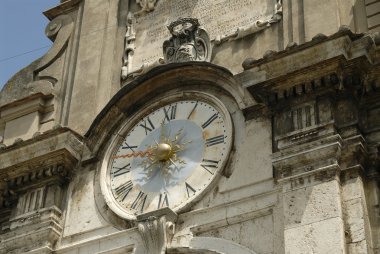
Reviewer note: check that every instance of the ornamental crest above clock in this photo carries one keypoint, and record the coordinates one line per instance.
(167, 155)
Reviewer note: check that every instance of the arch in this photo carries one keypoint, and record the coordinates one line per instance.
(157, 82)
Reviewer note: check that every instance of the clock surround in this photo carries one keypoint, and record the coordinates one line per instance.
(168, 154)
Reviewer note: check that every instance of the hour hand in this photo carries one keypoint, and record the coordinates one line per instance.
(141, 154)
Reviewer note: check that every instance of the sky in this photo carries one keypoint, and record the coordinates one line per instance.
(22, 34)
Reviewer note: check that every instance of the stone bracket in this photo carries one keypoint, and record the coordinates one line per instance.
(157, 229)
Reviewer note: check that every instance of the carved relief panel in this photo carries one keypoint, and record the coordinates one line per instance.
(147, 28)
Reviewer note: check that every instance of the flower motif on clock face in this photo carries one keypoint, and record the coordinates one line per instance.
(169, 156)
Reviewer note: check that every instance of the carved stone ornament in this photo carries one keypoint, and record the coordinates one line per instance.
(189, 42)
(146, 5)
(157, 229)
(130, 38)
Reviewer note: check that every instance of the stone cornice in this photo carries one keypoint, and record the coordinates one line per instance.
(63, 8)
(25, 100)
(49, 156)
(333, 63)
(36, 102)
(319, 39)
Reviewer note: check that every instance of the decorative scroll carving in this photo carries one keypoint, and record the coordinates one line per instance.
(189, 42)
(257, 26)
(130, 38)
(157, 229)
(58, 30)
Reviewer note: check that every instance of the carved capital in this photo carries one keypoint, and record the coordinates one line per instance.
(189, 42)
(157, 229)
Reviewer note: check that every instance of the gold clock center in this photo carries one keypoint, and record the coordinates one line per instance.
(163, 152)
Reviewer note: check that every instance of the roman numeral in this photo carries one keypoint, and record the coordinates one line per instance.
(173, 112)
(123, 190)
(132, 148)
(163, 201)
(215, 140)
(192, 111)
(210, 120)
(188, 189)
(122, 170)
(139, 202)
(209, 165)
(147, 128)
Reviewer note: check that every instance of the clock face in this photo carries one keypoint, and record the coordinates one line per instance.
(167, 156)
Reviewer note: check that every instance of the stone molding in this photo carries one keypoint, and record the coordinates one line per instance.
(161, 80)
(63, 8)
(271, 74)
(49, 157)
(37, 102)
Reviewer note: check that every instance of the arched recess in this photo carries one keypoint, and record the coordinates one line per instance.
(211, 245)
(158, 81)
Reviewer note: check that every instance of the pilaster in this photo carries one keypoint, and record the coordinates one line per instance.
(323, 148)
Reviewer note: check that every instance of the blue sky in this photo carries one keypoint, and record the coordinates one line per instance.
(22, 29)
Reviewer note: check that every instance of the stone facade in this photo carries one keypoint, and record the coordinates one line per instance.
(300, 80)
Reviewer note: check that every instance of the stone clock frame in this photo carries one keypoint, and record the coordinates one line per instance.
(170, 96)
(177, 79)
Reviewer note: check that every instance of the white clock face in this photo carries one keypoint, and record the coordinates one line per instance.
(167, 157)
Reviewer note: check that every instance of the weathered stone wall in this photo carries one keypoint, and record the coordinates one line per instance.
(303, 91)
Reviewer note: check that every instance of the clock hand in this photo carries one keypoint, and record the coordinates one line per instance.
(175, 165)
(134, 154)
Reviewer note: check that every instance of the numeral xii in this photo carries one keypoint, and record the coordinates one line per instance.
(171, 112)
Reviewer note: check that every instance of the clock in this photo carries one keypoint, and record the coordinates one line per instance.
(167, 155)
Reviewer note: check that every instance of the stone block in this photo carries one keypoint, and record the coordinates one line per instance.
(82, 212)
(321, 237)
(312, 204)
(256, 234)
(320, 17)
(352, 189)
(355, 224)
(358, 248)
(367, 2)
(258, 135)
(23, 127)
(374, 20)
(373, 8)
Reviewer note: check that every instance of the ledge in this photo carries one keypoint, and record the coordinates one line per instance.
(63, 8)
(57, 147)
(325, 63)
